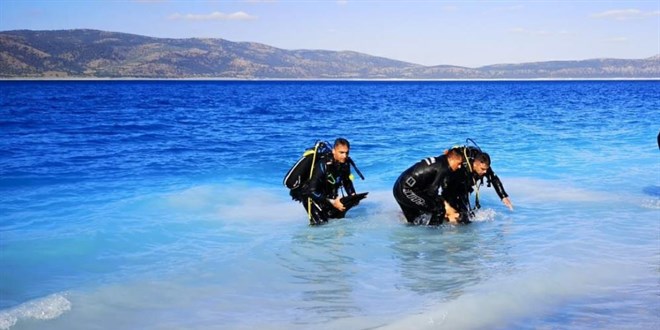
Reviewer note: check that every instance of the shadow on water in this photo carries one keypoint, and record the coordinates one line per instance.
(340, 273)
(321, 266)
(440, 263)
(652, 191)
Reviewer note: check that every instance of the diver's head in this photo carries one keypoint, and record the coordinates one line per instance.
(340, 150)
(481, 164)
(455, 159)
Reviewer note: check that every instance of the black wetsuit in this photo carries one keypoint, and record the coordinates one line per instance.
(416, 189)
(328, 177)
(461, 183)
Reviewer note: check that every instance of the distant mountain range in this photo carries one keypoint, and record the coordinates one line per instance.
(100, 54)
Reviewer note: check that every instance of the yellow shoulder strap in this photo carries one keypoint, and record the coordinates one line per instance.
(467, 159)
(309, 199)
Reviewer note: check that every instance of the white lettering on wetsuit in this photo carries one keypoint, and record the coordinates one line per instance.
(413, 197)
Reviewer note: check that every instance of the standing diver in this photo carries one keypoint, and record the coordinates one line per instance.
(471, 176)
(320, 194)
(416, 189)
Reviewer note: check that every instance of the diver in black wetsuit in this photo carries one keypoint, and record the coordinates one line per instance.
(461, 183)
(320, 195)
(416, 189)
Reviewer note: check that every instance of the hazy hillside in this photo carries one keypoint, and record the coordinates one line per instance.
(93, 53)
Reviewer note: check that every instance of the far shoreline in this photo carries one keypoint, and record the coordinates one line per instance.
(321, 79)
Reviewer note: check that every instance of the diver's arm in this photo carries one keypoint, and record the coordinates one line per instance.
(347, 182)
(343, 174)
(435, 201)
(440, 170)
(313, 189)
(499, 188)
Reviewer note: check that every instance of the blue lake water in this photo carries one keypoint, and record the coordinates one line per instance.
(160, 205)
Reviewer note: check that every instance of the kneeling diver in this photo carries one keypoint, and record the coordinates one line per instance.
(416, 189)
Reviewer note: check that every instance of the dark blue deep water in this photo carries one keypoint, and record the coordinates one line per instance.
(160, 205)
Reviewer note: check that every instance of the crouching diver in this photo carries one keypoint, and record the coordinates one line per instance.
(329, 173)
(468, 179)
(416, 189)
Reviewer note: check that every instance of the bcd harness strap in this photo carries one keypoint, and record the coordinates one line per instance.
(474, 182)
(311, 172)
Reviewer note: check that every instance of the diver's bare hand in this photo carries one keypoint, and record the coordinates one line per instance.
(338, 204)
(507, 202)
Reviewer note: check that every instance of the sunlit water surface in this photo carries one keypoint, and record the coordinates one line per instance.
(159, 205)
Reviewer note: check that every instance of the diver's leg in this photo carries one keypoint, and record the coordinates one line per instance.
(317, 214)
(410, 213)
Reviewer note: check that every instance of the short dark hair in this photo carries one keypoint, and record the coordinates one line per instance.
(342, 142)
(483, 157)
(455, 153)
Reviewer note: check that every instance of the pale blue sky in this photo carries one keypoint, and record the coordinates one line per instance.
(465, 33)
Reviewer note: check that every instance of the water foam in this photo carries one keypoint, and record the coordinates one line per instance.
(483, 215)
(499, 302)
(545, 191)
(45, 308)
(380, 204)
(653, 204)
(235, 201)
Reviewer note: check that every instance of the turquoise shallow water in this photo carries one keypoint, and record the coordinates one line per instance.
(160, 205)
